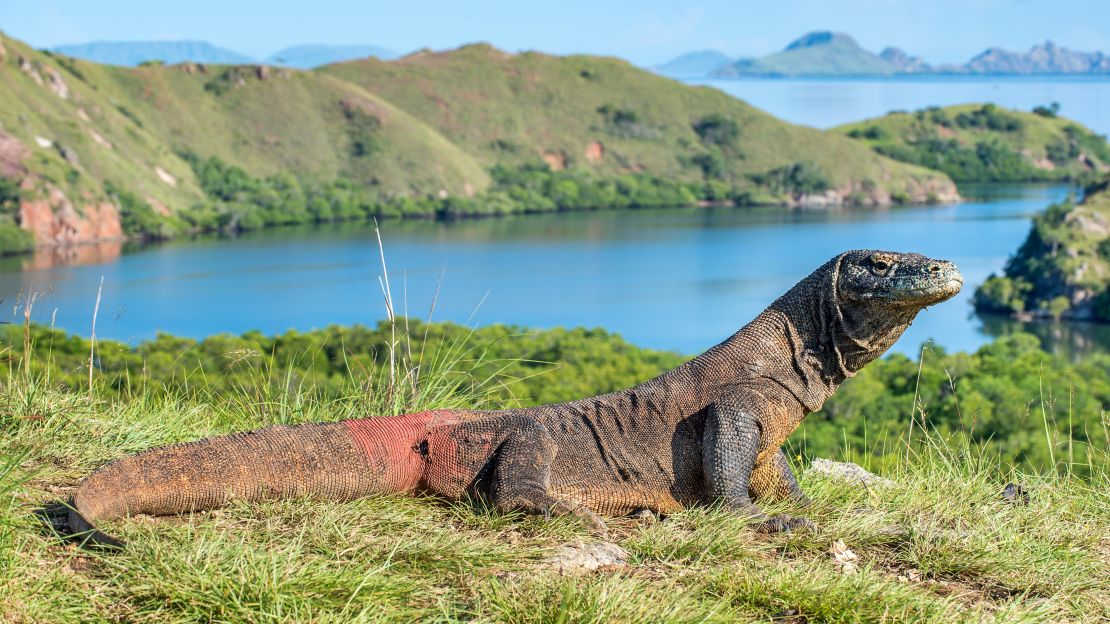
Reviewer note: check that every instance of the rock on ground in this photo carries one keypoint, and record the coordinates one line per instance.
(578, 558)
(847, 472)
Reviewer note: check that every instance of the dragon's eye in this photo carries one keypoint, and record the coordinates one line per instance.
(879, 265)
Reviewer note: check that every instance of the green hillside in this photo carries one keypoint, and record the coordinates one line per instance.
(269, 120)
(982, 142)
(84, 142)
(1063, 268)
(62, 138)
(263, 119)
(92, 152)
(604, 115)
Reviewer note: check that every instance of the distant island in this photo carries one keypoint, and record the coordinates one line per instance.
(825, 53)
(135, 53)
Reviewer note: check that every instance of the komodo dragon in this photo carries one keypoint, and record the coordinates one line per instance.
(707, 431)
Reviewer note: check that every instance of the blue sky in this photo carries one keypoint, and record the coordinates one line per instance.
(644, 31)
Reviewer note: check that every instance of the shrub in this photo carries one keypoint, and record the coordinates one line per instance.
(1049, 111)
(1000, 294)
(15, 240)
(989, 117)
(717, 129)
(796, 179)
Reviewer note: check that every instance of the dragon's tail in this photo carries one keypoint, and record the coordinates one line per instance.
(330, 461)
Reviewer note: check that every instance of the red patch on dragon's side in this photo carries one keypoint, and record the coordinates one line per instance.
(396, 446)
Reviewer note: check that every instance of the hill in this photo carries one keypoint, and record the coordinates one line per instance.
(1062, 270)
(605, 116)
(694, 64)
(820, 53)
(133, 53)
(92, 151)
(982, 142)
(86, 144)
(309, 56)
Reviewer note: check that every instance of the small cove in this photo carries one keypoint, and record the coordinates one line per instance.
(679, 279)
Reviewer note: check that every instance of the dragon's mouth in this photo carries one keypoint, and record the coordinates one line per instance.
(940, 290)
(935, 290)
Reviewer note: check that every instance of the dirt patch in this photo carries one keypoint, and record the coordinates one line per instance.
(100, 140)
(367, 107)
(556, 160)
(12, 154)
(595, 152)
(158, 206)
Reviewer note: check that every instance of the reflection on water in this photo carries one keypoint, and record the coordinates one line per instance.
(72, 255)
(680, 279)
(1073, 341)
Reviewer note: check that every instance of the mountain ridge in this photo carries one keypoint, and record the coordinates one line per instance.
(133, 53)
(172, 52)
(828, 53)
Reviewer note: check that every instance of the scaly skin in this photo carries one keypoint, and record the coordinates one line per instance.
(707, 431)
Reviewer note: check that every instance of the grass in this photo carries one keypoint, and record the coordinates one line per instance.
(938, 546)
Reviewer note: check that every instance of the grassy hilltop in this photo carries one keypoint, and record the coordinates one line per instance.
(938, 545)
(91, 151)
(605, 115)
(985, 143)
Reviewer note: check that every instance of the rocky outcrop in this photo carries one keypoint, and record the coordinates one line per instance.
(866, 193)
(27, 67)
(56, 83)
(932, 191)
(53, 219)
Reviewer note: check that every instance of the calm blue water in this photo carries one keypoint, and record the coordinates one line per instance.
(679, 279)
(824, 103)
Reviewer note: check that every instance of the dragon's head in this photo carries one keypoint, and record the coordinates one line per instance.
(875, 297)
(887, 282)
